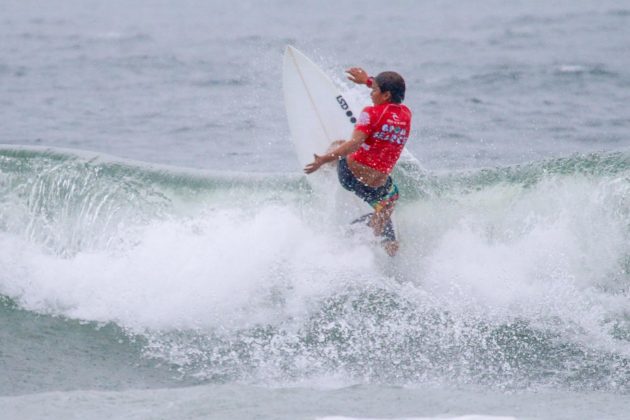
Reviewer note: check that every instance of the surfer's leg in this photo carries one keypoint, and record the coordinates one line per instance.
(381, 223)
(381, 220)
(381, 199)
(383, 202)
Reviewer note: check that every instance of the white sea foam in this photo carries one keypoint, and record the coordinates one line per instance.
(220, 269)
(499, 254)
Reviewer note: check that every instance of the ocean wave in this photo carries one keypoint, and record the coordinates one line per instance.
(511, 276)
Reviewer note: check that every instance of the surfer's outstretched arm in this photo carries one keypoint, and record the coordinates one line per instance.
(344, 149)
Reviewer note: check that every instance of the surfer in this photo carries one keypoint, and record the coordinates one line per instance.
(367, 159)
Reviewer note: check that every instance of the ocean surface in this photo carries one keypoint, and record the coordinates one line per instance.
(163, 257)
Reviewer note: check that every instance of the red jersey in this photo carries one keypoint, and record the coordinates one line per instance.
(387, 126)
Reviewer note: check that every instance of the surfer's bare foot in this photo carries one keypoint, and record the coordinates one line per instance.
(391, 247)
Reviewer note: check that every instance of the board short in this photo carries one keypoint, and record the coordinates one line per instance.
(379, 197)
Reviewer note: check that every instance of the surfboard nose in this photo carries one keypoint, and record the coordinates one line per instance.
(289, 51)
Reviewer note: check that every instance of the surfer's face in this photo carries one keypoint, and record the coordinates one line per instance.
(379, 97)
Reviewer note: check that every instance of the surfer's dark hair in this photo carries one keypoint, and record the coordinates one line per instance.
(392, 82)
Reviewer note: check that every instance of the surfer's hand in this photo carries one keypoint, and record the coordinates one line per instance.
(357, 75)
(315, 164)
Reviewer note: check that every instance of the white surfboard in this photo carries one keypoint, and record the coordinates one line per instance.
(318, 115)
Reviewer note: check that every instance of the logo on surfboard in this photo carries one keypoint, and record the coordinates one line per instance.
(344, 105)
